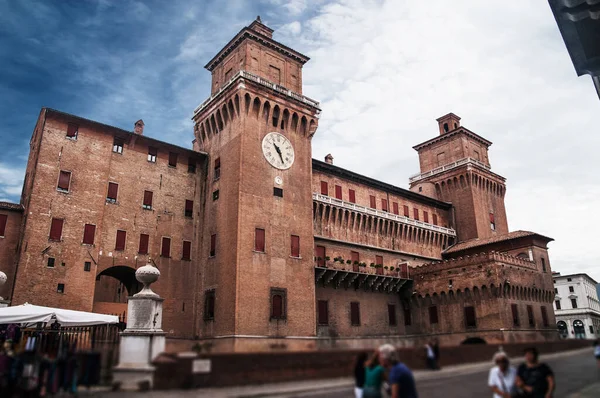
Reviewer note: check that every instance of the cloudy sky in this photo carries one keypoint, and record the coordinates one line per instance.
(383, 71)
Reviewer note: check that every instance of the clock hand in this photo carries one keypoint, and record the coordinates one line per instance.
(278, 152)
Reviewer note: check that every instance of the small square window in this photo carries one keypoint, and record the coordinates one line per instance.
(60, 288)
(62, 264)
(571, 289)
(72, 131)
(278, 192)
(152, 153)
(87, 266)
(50, 262)
(113, 191)
(172, 159)
(569, 279)
(118, 145)
(64, 180)
(216, 195)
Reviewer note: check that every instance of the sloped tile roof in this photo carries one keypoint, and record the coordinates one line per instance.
(471, 243)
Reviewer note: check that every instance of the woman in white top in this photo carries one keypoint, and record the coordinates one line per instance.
(502, 377)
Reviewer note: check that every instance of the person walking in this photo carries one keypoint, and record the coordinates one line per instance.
(502, 378)
(536, 380)
(430, 356)
(400, 378)
(359, 374)
(374, 375)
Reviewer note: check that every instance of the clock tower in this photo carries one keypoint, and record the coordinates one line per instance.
(257, 272)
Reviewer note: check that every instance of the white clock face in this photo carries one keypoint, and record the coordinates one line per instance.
(278, 151)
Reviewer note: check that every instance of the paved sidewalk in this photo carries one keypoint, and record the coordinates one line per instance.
(591, 391)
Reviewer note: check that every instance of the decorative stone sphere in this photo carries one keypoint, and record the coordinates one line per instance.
(147, 275)
(3, 278)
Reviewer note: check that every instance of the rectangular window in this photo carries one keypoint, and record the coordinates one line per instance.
(278, 192)
(406, 213)
(407, 316)
(379, 264)
(213, 245)
(352, 196)
(392, 315)
(425, 216)
(215, 195)
(338, 192)
(320, 255)
(50, 262)
(147, 203)
(557, 303)
(72, 130)
(372, 202)
(433, 315)
(165, 250)
(530, 315)
(544, 317)
(492, 222)
(278, 303)
(89, 231)
(515, 315)
(324, 188)
(113, 191)
(186, 253)
(120, 241)
(191, 165)
(209, 305)
(355, 314)
(189, 208)
(87, 266)
(574, 303)
(555, 291)
(434, 216)
(143, 248)
(416, 214)
(295, 246)
(259, 240)
(60, 288)
(152, 153)
(470, 320)
(323, 312)
(384, 205)
(395, 208)
(355, 258)
(118, 145)
(3, 222)
(569, 279)
(56, 228)
(543, 265)
(172, 159)
(571, 289)
(64, 180)
(217, 169)
(591, 330)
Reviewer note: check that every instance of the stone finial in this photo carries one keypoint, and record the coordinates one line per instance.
(139, 127)
(329, 159)
(3, 280)
(147, 275)
(258, 18)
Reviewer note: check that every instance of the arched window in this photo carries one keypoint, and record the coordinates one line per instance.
(446, 127)
(278, 304)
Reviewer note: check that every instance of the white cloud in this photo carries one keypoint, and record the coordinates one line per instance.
(11, 181)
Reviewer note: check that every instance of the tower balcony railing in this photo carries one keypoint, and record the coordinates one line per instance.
(446, 167)
(263, 82)
(383, 214)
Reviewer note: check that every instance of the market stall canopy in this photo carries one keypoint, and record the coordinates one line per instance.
(28, 313)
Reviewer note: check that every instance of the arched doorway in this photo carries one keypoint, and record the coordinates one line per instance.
(579, 329)
(474, 340)
(113, 286)
(563, 330)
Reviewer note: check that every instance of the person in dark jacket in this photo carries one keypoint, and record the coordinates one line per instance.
(359, 374)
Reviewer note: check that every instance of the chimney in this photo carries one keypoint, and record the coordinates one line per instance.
(329, 159)
(448, 123)
(261, 28)
(139, 127)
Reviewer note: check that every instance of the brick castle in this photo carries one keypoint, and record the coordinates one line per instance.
(259, 245)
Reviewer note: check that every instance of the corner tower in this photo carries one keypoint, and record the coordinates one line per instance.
(455, 168)
(257, 275)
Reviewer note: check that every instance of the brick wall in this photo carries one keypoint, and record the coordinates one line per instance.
(9, 243)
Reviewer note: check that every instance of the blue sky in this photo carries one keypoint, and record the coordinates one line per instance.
(384, 70)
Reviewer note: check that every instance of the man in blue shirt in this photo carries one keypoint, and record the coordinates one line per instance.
(400, 377)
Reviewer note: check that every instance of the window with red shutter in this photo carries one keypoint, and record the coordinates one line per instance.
(165, 250)
(189, 208)
(113, 190)
(3, 222)
(323, 312)
(403, 270)
(172, 159)
(152, 154)
(384, 204)
(64, 180)
(324, 188)
(187, 250)
(355, 258)
(213, 245)
(338, 192)
(72, 130)
(425, 216)
(89, 231)
(352, 196)
(217, 169)
(435, 222)
(147, 204)
(295, 243)
(259, 240)
(143, 248)
(320, 255)
(372, 202)
(544, 317)
(416, 214)
(278, 303)
(56, 228)
(530, 315)
(355, 314)
(470, 320)
(406, 213)
(120, 241)
(395, 208)
(392, 314)
(379, 263)
(433, 315)
(515, 314)
(492, 222)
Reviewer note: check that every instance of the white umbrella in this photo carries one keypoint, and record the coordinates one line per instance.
(28, 313)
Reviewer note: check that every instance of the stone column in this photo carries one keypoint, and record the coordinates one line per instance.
(3, 278)
(143, 339)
